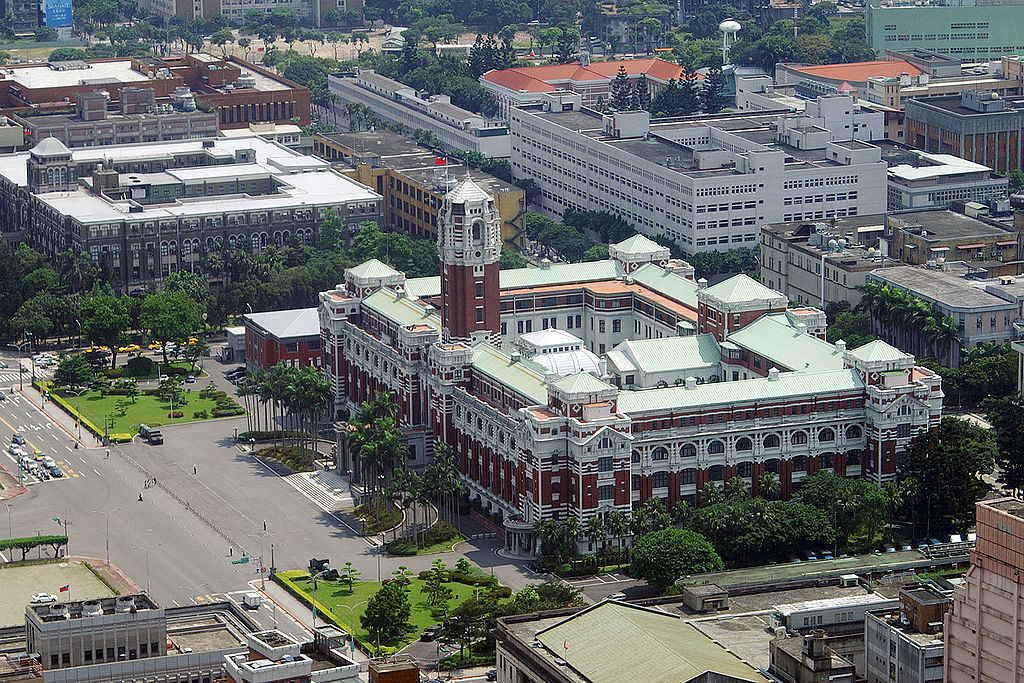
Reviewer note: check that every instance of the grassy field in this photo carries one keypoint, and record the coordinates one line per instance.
(19, 582)
(335, 597)
(152, 410)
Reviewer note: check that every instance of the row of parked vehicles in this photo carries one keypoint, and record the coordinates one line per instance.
(38, 464)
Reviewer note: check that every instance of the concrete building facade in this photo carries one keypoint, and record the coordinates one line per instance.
(984, 634)
(931, 237)
(707, 184)
(906, 646)
(936, 181)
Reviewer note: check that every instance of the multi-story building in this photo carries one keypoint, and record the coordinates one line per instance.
(988, 310)
(523, 85)
(808, 659)
(315, 11)
(821, 263)
(706, 184)
(138, 118)
(237, 91)
(936, 181)
(540, 437)
(921, 238)
(977, 126)
(840, 79)
(972, 31)
(147, 210)
(276, 657)
(131, 638)
(413, 181)
(454, 127)
(905, 645)
(291, 337)
(984, 633)
(613, 641)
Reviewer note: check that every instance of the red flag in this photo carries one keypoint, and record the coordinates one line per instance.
(65, 588)
(440, 161)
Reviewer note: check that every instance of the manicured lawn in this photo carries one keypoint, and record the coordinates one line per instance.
(334, 596)
(151, 410)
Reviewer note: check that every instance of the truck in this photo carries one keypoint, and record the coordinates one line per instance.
(151, 434)
(252, 600)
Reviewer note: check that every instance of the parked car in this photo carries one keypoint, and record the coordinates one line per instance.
(190, 379)
(44, 598)
(56, 472)
(49, 462)
(615, 596)
(491, 675)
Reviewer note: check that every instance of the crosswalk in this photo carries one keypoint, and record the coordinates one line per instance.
(9, 376)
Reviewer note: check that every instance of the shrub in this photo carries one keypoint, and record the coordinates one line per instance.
(267, 435)
(200, 415)
(469, 579)
(140, 366)
(227, 412)
(500, 593)
(176, 413)
(173, 371)
(401, 549)
(424, 575)
(113, 373)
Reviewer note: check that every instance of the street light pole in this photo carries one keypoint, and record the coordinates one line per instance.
(352, 625)
(10, 528)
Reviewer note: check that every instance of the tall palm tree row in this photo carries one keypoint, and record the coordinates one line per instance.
(295, 398)
(911, 323)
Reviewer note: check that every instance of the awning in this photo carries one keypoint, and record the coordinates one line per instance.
(1007, 243)
(970, 246)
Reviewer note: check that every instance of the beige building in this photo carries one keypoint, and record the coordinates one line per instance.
(792, 256)
(921, 238)
(984, 628)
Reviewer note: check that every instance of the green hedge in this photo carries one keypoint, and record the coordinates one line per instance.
(61, 402)
(275, 435)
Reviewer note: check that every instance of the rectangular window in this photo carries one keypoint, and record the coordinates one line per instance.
(605, 464)
(293, 347)
(606, 492)
(616, 325)
(600, 326)
(479, 290)
(479, 314)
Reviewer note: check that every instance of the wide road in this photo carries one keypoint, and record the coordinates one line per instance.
(208, 508)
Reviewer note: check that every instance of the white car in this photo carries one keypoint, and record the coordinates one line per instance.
(49, 462)
(15, 450)
(163, 378)
(44, 598)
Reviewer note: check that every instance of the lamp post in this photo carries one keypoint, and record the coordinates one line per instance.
(78, 410)
(21, 356)
(78, 323)
(379, 549)
(107, 514)
(352, 624)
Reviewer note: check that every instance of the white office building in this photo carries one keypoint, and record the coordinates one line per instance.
(706, 183)
(935, 181)
(456, 128)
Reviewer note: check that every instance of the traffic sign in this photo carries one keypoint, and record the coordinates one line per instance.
(243, 560)
(263, 570)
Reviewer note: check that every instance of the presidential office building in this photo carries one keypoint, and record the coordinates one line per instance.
(577, 389)
(147, 210)
(708, 184)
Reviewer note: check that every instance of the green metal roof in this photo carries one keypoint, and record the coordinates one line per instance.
(373, 268)
(401, 310)
(675, 287)
(613, 642)
(878, 350)
(524, 376)
(558, 273)
(582, 383)
(421, 287)
(638, 244)
(741, 288)
(772, 337)
(668, 353)
(788, 385)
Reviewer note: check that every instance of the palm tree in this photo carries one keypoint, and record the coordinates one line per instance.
(572, 529)
(596, 530)
(617, 524)
(768, 486)
(736, 486)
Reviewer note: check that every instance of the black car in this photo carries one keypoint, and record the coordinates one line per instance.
(18, 439)
(56, 472)
(190, 379)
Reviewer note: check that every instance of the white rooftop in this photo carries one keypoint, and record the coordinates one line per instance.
(42, 76)
(938, 165)
(295, 322)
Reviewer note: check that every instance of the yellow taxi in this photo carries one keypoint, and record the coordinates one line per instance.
(156, 346)
(130, 348)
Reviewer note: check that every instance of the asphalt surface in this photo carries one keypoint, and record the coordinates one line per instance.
(207, 509)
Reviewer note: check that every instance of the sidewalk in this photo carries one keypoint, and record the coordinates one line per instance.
(58, 417)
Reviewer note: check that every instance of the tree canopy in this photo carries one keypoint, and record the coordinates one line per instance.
(662, 557)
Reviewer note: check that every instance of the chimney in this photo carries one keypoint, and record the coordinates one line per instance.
(840, 345)
(516, 357)
(691, 382)
(545, 263)
(773, 375)
(702, 284)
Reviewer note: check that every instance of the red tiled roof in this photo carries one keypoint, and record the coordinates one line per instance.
(545, 78)
(859, 72)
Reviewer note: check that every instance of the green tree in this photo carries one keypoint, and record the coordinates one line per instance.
(511, 259)
(621, 91)
(72, 371)
(387, 613)
(221, 39)
(1006, 415)
(948, 462)
(713, 98)
(192, 284)
(104, 322)
(170, 316)
(63, 54)
(662, 557)
(435, 586)
(349, 575)
(45, 34)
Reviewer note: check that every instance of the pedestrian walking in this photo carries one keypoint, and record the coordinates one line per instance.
(264, 525)
(195, 470)
(231, 551)
(140, 495)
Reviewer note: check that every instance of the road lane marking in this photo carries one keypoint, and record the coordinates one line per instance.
(16, 430)
(97, 472)
(67, 447)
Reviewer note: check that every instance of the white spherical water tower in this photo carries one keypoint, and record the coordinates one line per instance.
(729, 28)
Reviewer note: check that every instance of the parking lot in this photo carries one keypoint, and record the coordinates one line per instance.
(600, 586)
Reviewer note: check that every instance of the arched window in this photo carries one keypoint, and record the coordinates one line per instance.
(210, 244)
(232, 242)
(772, 465)
(745, 469)
(634, 457)
(800, 463)
(853, 459)
(716, 447)
(716, 473)
(799, 437)
(827, 434)
(660, 479)
(744, 444)
(689, 451)
(771, 441)
(827, 461)
(853, 432)
(659, 453)
(478, 227)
